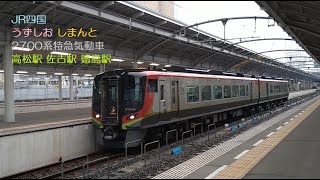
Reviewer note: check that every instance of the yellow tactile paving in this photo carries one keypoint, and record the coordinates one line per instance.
(242, 166)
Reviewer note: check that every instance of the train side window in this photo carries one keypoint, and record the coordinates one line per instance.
(217, 92)
(271, 89)
(196, 93)
(162, 92)
(247, 90)
(242, 90)
(280, 88)
(274, 88)
(235, 91)
(227, 91)
(152, 85)
(206, 93)
(192, 93)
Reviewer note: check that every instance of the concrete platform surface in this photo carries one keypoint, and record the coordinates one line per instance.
(294, 94)
(44, 119)
(296, 156)
(27, 107)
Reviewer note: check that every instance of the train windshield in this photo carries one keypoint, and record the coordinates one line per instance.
(112, 88)
(134, 90)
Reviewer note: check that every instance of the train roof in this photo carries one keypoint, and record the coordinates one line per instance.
(184, 72)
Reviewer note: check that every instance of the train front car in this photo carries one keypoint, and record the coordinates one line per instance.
(117, 102)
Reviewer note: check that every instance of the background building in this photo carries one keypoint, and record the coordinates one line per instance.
(163, 7)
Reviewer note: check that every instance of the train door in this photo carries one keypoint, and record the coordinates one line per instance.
(162, 105)
(109, 104)
(174, 99)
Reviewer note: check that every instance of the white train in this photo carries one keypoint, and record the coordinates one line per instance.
(140, 104)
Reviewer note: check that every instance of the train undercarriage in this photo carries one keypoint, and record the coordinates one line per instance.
(219, 119)
(159, 132)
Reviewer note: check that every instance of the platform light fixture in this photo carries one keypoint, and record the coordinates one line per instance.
(58, 74)
(87, 75)
(1, 70)
(41, 73)
(22, 72)
(154, 64)
(75, 74)
(59, 53)
(200, 70)
(139, 62)
(21, 49)
(117, 60)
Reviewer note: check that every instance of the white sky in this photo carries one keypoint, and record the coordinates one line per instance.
(192, 12)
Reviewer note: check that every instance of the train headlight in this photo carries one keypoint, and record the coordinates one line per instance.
(132, 117)
(97, 115)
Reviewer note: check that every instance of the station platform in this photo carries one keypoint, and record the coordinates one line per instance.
(27, 107)
(74, 115)
(285, 146)
(44, 120)
(292, 152)
(296, 156)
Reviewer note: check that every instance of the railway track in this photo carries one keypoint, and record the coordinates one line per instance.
(94, 166)
(71, 168)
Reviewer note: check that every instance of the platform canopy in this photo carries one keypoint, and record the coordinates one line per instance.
(136, 35)
(300, 19)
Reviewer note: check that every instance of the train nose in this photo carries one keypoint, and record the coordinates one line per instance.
(108, 131)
